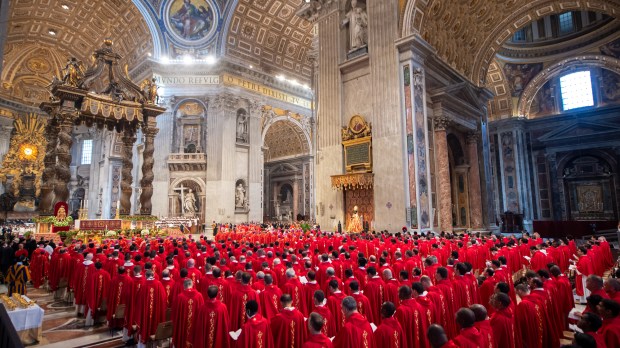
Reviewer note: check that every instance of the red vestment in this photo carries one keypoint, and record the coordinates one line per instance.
(255, 333)
(375, 292)
(409, 315)
(530, 321)
(120, 293)
(184, 311)
(356, 333)
(318, 341)
(81, 281)
(488, 340)
(600, 340)
(611, 332)
(469, 338)
(447, 290)
(288, 328)
(364, 306)
(334, 303)
(504, 329)
(269, 301)
(168, 284)
(309, 289)
(584, 269)
(150, 309)
(329, 324)
(59, 269)
(130, 308)
(97, 287)
(294, 288)
(39, 265)
(212, 325)
(390, 334)
(240, 296)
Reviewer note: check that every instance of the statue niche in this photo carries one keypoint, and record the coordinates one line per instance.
(242, 126)
(190, 116)
(356, 21)
(241, 197)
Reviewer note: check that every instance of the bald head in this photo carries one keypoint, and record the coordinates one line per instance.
(479, 311)
(436, 336)
(465, 317)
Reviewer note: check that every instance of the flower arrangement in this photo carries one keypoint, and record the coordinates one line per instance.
(139, 218)
(111, 234)
(145, 232)
(52, 220)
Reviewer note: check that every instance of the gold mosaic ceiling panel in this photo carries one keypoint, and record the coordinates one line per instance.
(284, 139)
(468, 33)
(267, 33)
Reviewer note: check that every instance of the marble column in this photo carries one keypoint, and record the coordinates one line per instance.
(129, 138)
(63, 154)
(295, 199)
(5, 143)
(48, 176)
(475, 194)
(148, 161)
(442, 167)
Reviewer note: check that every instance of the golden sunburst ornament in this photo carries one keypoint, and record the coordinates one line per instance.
(28, 152)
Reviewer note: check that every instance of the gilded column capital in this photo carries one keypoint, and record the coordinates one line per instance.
(441, 122)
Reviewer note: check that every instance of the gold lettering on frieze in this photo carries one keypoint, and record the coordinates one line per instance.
(231, 80)
(187, 80)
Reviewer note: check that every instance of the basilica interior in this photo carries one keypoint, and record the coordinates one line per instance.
(429, 115)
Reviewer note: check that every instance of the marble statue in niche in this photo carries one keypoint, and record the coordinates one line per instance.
(242, 126)
(240, 198)
(189, 203)
(357, 21)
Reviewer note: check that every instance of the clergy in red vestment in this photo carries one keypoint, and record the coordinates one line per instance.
(309, 288)
(363, 304)
(59, 269)
(565, 291)
(256, 331)
(357, 331)
(469, 336)
(212, 325)
(239, 298)
(317, 339)
(483, 324)
(438, 338)
(39, 266)
(168, 284)
(529, 318)
(487, 288)
(447, 290)
(184, 312)
(390, 333)
(294, 288)
(391, 287)
(609, 310)
(329, 324)
(97, 287)
(334, 303)
(590, 323)
(612, 288)
(150, 309)
(583, 268)
(440, 311)
(81, 282)
(131, 312)
(503, 322)
(269, 298)
(120, 294)
(375, 292)
(288, 327)
(409, 315)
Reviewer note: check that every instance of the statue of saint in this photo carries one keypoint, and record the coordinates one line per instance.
(74, 71)
(190, 203)
(240, 196)
(279, 217)
(242, 126)
(355, 223)
(357, 19)
(149, 90)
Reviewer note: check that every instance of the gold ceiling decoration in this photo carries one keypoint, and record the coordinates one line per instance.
(470, 49)
(26, 151)
(267, 33)
(285, 139)
(353, 181)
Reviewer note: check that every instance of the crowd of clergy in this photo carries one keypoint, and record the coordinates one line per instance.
(252, 288)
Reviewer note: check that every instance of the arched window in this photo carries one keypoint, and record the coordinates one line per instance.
(576, 90)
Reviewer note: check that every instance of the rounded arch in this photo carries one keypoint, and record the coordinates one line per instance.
(471, 49)
(154, 29)
(178, 181)
(573, 63)
(184, 101)
(289, 130)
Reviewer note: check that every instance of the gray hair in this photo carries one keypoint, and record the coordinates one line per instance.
(387, 273)
(290, 273)
(349, 304)
(260, 275)
(330, 271)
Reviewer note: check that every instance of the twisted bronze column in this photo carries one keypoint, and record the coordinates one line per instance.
(147, 171)
(63, 153)
(129, 139)
(48, 177)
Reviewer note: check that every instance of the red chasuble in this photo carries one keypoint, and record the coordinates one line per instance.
(59, 269)
(530, 321)
(356, 333)
(488, 340)
(375, 291)
(270, 301)
(255, 333)
(611, 332)
(212, 325)
(410, 317)
(289, 328)
(309, 289)
(469, 338)
(447, 290)
(184, 310)
(294, 288)
(329, 324)
(240, 296)
(98, 285)
(120, 293)
(504, 328)
(334, 303)
(318, 341)
(81, 281)
(364, 307)
(39, 265)
(390, 334)
(150, 309)
(130, 309)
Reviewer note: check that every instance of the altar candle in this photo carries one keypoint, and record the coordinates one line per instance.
(118, 204)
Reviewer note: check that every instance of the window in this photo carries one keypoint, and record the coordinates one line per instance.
(87, 151)
(566, 22)
(519, 36)
(576, 90)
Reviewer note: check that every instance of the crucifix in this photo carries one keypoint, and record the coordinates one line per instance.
(182, 190)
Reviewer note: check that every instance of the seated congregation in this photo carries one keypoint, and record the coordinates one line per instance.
(248, 288)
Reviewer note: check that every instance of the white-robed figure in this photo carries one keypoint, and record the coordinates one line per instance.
(357, 19)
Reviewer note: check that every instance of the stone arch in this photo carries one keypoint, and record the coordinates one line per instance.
(154, 28)
(194, 184)
(470, 49)
(573, 63)
(190, 119)
(288, 130)
(500, 106)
